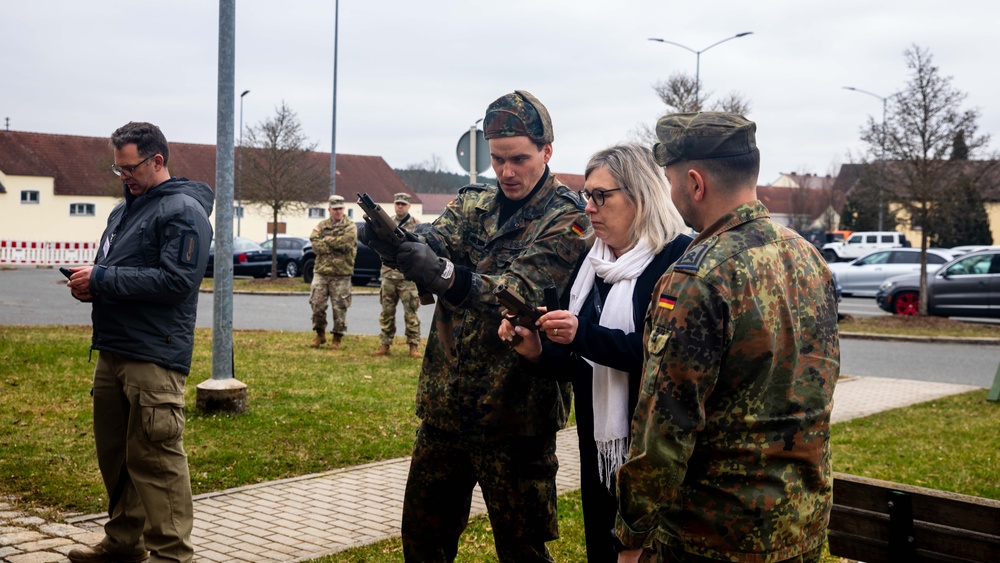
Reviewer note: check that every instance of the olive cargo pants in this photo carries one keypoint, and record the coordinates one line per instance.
(138, 427)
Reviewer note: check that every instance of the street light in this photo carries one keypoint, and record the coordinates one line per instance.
(697, 67)
(885, 101)
(239, 184)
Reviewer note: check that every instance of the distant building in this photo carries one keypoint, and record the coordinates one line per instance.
(60, 188)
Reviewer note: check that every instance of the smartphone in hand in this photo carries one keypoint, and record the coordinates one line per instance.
(66, 272)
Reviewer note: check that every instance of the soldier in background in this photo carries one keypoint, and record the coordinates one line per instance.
(730, 454)
(335, 243)
(395, 288)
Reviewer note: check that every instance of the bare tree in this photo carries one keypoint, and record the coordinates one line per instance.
(917, 137)
(279, 172)
(681, 94)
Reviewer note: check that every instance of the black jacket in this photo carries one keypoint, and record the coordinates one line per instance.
(607, 346)
(149, 266)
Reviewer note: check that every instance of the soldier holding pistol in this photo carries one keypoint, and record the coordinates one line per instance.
(483, 418)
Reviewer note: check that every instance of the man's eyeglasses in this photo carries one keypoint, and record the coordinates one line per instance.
(129, 169)
(597, 195)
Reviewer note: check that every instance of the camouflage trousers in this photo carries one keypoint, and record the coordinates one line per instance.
(336, 289)
(664, 554)
(518, 480)
(394, 290)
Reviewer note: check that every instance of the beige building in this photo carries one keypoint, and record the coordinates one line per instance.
(56, 192)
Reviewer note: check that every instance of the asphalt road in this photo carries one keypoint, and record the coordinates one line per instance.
(38, 296)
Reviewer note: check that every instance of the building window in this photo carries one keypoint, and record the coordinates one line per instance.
(317, 213)
(81, 210)
(238, 211)
(29, 196)
(350, 212)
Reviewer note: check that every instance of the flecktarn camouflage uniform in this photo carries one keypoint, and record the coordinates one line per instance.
(730, 457)
(397, 288)
(485, 419)
(335, 246)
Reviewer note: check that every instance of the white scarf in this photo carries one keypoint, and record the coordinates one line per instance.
(611, 415)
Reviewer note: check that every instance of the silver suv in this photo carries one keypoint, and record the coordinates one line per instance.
(861, 243)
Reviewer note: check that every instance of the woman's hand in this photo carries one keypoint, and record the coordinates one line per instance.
(559, 326)
(528, 342)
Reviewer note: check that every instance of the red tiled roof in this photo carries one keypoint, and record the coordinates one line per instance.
(572, 181)
(434, 204)
(81, 166)
(798, 201)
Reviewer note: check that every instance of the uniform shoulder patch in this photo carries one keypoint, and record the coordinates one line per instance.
(578, 229)
(692, 259)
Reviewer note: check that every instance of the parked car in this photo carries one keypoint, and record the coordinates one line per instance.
(971, 248)
(367, 264)
(861, 243)
(968, 286)
(864, 275)
(249, 259)
(289, 253)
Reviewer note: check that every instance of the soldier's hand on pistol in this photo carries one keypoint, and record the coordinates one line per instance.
(530, 344)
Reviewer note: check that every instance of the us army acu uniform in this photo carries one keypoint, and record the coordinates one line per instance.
(730, 457)
(484, 419)
(335, 244)
(396, 288)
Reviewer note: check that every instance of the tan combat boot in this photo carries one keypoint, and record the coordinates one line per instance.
(318, 340)
(335, 343)
(415, 351)
(383, 350)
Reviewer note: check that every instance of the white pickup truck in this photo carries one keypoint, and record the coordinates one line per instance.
(861, 243)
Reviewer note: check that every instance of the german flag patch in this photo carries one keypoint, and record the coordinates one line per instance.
(667, 302)
(578, 229)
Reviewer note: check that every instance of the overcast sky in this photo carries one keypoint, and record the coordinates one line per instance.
(414, 75)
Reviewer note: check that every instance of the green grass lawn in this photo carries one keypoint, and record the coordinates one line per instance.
(314, 410)
(310, 410)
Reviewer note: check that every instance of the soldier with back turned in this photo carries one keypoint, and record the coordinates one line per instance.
(730, 453)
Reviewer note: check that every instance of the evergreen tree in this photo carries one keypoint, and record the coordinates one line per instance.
(960, 217)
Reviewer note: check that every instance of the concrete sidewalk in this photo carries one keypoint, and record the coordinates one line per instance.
(306, 517)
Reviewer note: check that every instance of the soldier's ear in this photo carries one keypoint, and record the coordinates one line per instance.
(696, 184)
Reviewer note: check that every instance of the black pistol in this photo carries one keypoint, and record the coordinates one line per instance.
(387, 231)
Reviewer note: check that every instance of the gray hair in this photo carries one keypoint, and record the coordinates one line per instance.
(645, 186)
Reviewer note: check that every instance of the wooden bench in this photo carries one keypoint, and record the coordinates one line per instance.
(882, 522)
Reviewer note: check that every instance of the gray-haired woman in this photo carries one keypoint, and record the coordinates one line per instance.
(598, 340)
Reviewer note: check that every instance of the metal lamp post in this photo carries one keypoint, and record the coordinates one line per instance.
(885, 101)
(239, 172)
(697, 67)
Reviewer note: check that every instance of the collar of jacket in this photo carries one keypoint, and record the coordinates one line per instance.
(738, 216)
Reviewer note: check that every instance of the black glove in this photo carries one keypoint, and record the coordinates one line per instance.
(420, 265)
(385, 250)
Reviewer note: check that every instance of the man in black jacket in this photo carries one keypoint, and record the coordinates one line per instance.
(144, 290)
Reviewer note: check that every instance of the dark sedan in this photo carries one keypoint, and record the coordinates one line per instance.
(249, 259)
(289, 254)
(968, 286)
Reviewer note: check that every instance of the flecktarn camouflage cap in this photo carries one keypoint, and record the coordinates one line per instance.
(518, 114)
(702, 135)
